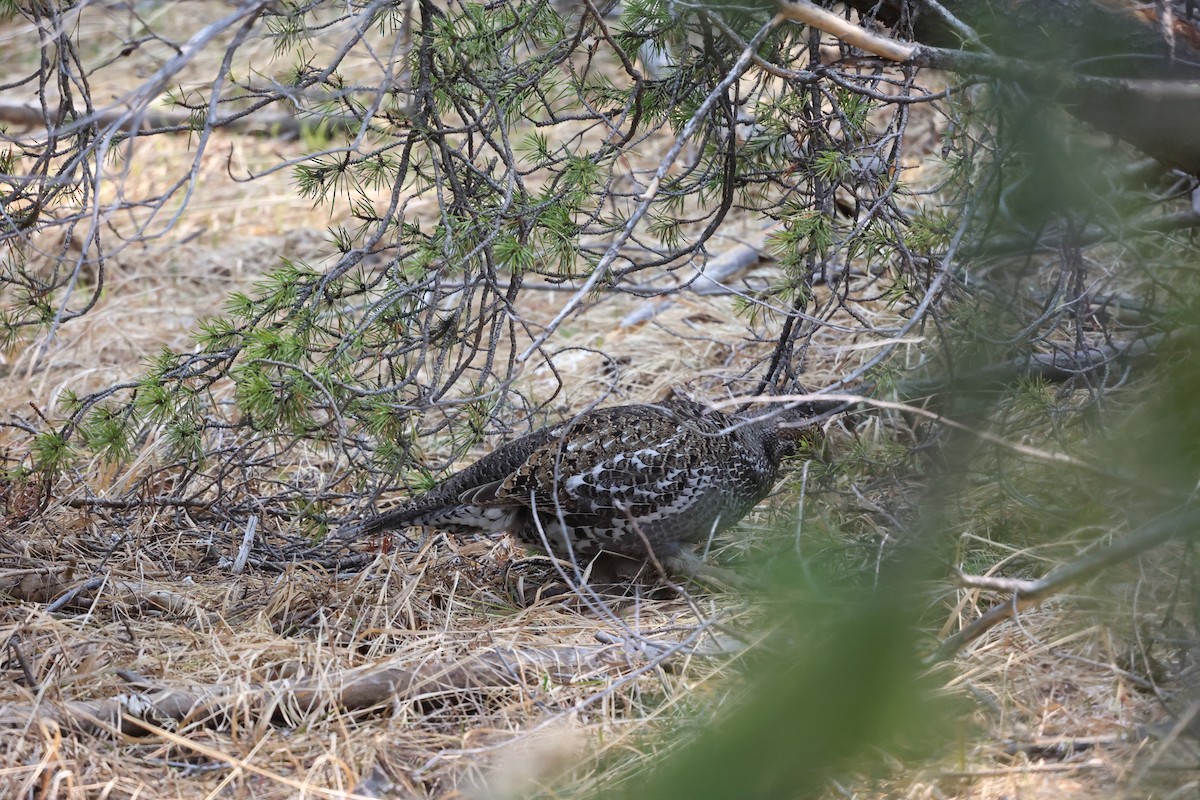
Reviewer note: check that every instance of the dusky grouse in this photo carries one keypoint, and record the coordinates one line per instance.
(664, 475)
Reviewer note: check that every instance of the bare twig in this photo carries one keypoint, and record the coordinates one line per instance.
(69, 596)
(978, 63)
(831, 23)
(243, 553)
(1030, 593)
(1032, 452)
(276, 125)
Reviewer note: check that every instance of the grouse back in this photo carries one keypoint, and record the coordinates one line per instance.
(624, 479)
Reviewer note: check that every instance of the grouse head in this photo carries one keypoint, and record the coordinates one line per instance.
(785, 429)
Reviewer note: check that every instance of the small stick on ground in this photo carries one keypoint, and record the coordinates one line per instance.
(1030, 593)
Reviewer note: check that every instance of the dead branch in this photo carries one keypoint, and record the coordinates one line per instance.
(133, 594)
(1032, 452)
(372, 686)
(281, 126)
(853, 35)
(1030, 593)
(709, 280)
(34, 584)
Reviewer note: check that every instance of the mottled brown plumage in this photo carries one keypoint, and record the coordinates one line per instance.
(663, 475)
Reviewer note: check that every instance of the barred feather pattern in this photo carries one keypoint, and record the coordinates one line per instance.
(619, 479)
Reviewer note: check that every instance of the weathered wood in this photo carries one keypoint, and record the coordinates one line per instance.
(373, 686)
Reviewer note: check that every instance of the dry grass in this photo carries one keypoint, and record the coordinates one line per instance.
(114, 605)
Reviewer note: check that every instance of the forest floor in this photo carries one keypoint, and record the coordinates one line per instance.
(456, 668)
